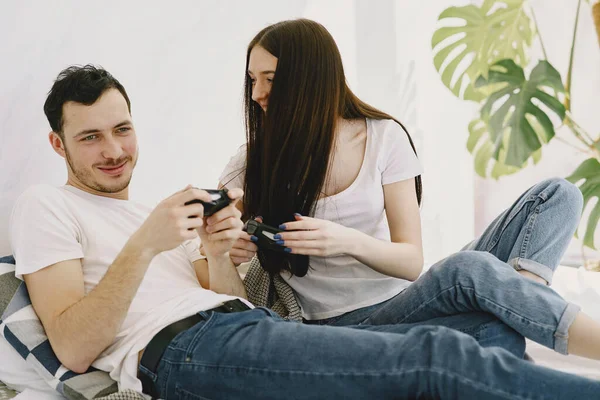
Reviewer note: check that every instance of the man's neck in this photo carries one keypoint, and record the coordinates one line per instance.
(122, 195)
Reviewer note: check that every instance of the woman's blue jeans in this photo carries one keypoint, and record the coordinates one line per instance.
(479, 292)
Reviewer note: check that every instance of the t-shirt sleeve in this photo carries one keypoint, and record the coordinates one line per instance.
(192, 250)
(42, 231)
(399, 161)
(233, 174)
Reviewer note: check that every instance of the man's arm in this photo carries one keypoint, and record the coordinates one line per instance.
(221, 230)
(220, 275)
(81, 326)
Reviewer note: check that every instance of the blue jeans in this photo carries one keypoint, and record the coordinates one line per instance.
(257, 355)
(477, 291)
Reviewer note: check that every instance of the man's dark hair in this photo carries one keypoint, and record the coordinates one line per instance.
(81, 84)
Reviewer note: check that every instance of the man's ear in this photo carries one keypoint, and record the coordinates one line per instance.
(57, 144)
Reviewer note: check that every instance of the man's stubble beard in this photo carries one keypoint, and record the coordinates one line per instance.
(85, 177)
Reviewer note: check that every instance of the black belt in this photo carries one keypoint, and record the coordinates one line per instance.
(157, 346)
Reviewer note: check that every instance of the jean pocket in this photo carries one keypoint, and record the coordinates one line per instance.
(199, 330)
(183, 394)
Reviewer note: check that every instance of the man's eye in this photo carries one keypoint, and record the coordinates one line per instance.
(270, 80)
(124, 129)
(88, 138)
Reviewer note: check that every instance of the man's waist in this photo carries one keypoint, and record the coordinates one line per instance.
(150, 357)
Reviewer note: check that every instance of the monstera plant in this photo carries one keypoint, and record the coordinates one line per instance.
(482, 55)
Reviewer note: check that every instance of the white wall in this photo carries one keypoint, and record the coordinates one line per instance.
(183, 63)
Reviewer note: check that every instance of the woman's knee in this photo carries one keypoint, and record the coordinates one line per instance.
(466, 265)
(566, 194)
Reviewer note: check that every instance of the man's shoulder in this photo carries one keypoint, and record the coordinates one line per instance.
(41, 194)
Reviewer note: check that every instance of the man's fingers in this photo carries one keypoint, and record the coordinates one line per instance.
(189, 195)
(235, 194)
(229, 223)
(245, 244)
(229, 234)
(192, 210)
(192, 223)
(241, 253)
(228, 212)
(237, 261)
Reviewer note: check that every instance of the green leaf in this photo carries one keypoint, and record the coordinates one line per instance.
(486, 36)
(517, 125)
(587, 177)
(482, 148)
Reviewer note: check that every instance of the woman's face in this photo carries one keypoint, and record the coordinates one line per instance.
(261, 70)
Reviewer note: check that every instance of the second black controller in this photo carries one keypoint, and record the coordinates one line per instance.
(265, 234)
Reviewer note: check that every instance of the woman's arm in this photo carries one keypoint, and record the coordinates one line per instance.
(400, 258)
(403, 256)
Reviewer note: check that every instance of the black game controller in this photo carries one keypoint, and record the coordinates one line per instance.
(265, 234)
(220, 200)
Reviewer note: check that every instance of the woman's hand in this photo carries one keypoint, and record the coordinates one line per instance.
(316, 237)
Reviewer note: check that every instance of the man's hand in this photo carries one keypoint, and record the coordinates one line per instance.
(244, 248)
(223, 228)
(172, 222)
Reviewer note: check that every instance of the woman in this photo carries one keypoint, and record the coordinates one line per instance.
(314, 149)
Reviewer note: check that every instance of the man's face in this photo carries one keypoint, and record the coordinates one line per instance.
(100, 144)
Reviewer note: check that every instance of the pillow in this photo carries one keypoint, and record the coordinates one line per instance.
(23, 330)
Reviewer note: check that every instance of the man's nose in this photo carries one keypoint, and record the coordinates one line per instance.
(112, 148)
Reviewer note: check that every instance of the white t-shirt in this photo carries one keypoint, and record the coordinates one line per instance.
(336, 285)
(51, 224)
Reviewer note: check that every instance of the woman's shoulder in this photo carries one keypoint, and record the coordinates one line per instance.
(386, 133)
(384, 126)
(235, 166)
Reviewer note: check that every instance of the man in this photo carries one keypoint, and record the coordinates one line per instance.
(124, 288)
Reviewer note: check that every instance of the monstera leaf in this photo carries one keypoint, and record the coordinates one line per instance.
(517, 125)
(497, 30)
(587, 175)
(483, 151)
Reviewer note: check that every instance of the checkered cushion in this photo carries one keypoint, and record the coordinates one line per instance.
(22, 329)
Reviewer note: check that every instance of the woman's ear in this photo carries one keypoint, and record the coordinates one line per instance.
(57, 143)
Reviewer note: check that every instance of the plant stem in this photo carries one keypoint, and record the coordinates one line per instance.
(582, 136)
(571, 57)
(596, 15)
(579, 149)
(539, 34)
(585, 136)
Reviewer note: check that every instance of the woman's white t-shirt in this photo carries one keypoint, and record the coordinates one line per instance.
(336, 285)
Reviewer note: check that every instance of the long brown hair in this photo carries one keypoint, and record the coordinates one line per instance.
(289, 146)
